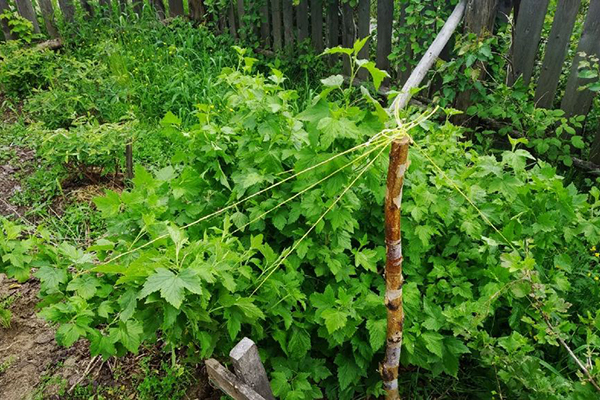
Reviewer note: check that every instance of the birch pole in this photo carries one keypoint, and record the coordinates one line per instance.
(393, 266)
(398, 165)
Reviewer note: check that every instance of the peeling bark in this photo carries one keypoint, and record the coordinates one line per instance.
(393, 267)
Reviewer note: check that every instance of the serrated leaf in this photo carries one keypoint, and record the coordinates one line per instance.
(334, 319)
(377, 333)
(171, 286)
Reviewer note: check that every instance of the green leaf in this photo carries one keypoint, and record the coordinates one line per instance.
(348, 371)
(377, 74)
(109, 204)
(172, 286)
(333, 81)
(129, 334)
(434, 343)
(67, 334)
(102, 345)
(51, 278)
(334, 319)
(577, 142)
(299, 343)
(377, 333)
(170, 119)
(128, 304)
(84, 285)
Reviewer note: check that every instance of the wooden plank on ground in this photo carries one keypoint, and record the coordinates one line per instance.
(527, 38)
(25, 8)
(316, 25)
(556, 51)
(288, 22)
(302, 20)
(249, 368)
(229, 383)
(175, 8)
(385, 18)
(48, 15)
(578, 101)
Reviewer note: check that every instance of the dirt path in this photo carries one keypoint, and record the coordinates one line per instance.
(28, 349)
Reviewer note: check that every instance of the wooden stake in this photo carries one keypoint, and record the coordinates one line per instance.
(393, 266)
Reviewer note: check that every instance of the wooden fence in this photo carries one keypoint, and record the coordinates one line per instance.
(537, 60)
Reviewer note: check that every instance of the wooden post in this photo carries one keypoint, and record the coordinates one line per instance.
(398, 165)
(48, 15)
(393, 266)
(527, 38)
(129, 161)
(25, 8)
(276, 17)
(4, 23)
(578, 101)
(556, 50)
(249, 368)
(316, 25)
(229, 383)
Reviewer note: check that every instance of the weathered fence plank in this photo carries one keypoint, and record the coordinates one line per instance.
(316, 25)
(123, 7)
(229, 383)
(556, 50)
(87, 7)
(4, 23)
(385, 18)
(68, 10)
(265, 29)
(105, 7)
(241, 12)
(231, 21)
(175, 8)
(288, 22)
(138, 6)
(333, 27)
(527, 38)
(276, 18)
(363, 29)
(302, 20)
(48, 15)
(249, 368)
(348, 32)
(25, 8)
(578, 101)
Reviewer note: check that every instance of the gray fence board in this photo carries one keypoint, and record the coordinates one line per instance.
(241, 12)
(578, 101)
(527, 38)
(385, 18)
(302, 20)
(348, 32)
(265, 28)
(276, 18)
(175, 8)
(48, 15)
(68, 9)
(25, 8)
(556, 50)
(231, 21)
(105, 7)
(288, 22)
(316, 25)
